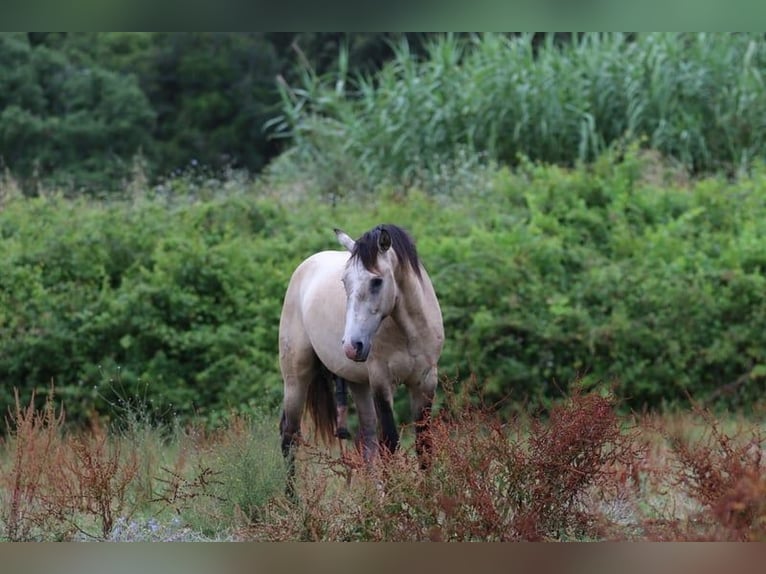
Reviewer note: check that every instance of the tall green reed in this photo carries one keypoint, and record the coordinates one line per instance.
(695, 98)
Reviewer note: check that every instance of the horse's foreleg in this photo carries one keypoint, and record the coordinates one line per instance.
(423, 439)
(368, 420)
(290, 427)
(289, 444)
(383, 394)
(421, 400)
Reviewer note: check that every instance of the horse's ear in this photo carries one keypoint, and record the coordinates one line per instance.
(344, 239)
(384, 241)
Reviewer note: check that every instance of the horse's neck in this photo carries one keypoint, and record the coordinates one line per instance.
(413, 312)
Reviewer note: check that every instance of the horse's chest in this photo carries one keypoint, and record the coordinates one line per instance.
(401, 365)
(396, 359)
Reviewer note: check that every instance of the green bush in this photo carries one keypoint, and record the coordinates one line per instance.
(545, 275)
(245, 471)
(142, 299)
(601, 276)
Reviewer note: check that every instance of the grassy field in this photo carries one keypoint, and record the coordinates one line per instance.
(584, 471)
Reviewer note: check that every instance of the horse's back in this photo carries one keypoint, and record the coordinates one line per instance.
(314, 309)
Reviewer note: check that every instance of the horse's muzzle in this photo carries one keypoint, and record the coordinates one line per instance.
(356, 351)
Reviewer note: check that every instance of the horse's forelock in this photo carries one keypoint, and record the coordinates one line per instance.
(366, 249)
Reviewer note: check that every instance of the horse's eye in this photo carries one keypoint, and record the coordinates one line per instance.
(376, 283)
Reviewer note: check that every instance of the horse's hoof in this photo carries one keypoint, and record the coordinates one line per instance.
(342, 433)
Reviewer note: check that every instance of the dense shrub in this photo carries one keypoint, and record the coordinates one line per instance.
(544, 275)
(600, 274)
(167, 303)
(488, 481)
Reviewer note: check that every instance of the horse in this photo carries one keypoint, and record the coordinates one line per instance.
(370, 316)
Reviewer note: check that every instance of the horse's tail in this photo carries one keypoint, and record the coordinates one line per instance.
(321, 404)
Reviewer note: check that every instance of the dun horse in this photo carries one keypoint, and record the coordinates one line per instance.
(371, 317)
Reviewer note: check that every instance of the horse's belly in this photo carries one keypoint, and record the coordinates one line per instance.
(351, 371)
(399, 370)
(398, 364)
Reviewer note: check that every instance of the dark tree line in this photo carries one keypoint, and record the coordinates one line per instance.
(77, 109)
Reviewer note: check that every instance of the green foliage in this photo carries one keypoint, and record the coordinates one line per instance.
(212, 94)
(545, 276)
(197, 101)
(693, 97)
(248, 471)
(123, 304)
(75, 126)
(357, 109)
(604, 276)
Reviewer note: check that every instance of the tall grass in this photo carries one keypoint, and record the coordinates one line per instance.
(694, 97)
(584, 471)
(131, 479)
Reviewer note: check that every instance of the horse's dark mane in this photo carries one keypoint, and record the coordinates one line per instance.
(366, 249)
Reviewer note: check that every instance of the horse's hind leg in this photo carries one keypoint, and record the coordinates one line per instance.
(341, 400)
(383, 394)
(288, 446)
(289, 430)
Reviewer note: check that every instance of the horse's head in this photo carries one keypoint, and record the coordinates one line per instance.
(371, 284)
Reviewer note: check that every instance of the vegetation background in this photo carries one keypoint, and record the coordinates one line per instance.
(79, 110)
(591, 208)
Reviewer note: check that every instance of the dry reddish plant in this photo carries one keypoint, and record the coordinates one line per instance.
(181, 489)
(488, 480)
(178, 488)
(96, 476)
(580, 447)
(579, 471)
(34, 442)
(56, 479)
(725, 475)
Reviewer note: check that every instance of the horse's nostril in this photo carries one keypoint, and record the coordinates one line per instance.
(358, 347)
